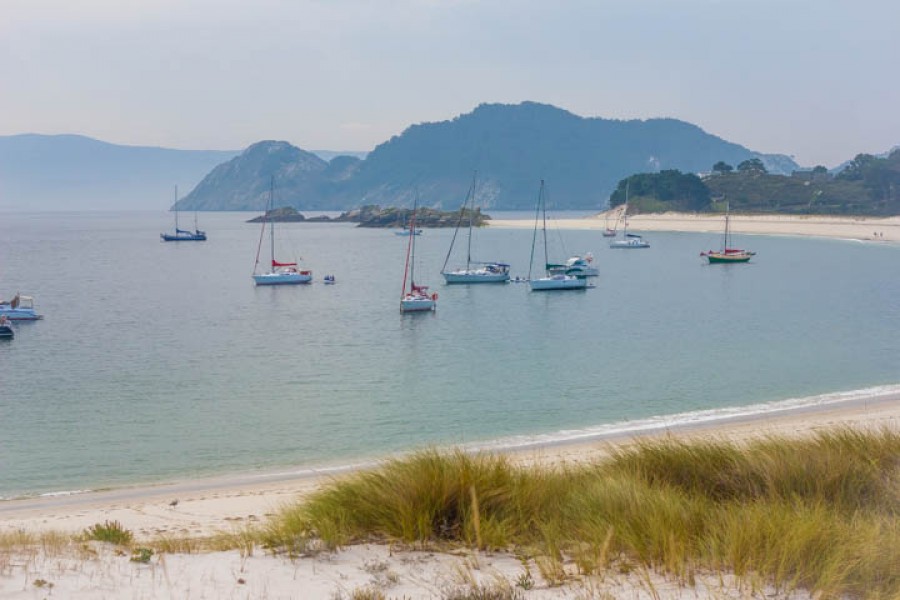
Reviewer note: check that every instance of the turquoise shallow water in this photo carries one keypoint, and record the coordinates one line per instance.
(163, 361)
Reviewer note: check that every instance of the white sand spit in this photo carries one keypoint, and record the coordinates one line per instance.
(851, 228)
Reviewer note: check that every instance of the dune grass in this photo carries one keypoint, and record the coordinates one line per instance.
(819, 513)
(56, 543)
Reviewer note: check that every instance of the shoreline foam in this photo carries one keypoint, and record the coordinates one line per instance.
(605, 432)
(197, 509)
(210, 505)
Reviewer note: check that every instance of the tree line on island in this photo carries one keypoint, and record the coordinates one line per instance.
(867, 186)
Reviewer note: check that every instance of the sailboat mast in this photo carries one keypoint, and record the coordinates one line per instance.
(411, 249)
(412, 259)
(471, 211)
(727, 211)
(544, 208)
(176, 209)
(271, 224)
(537, 212)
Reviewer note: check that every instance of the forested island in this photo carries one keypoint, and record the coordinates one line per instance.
(374, 216)
(866, 186)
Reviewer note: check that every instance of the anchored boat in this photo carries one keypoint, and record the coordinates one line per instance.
(415, 298)
(474, 271)
(20, 308)
(727, 254)
(280, 273)
(552, 280)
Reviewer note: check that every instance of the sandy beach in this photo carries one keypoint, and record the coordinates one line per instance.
(205, 507)
(851, 228)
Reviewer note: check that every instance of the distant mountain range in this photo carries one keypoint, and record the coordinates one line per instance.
(60, 172)
(511, 147)
(73, 172)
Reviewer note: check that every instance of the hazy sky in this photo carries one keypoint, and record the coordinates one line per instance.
(817, 79)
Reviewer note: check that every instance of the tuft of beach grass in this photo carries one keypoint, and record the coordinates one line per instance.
(818, 513)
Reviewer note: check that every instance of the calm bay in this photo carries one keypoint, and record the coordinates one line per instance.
(162, 361)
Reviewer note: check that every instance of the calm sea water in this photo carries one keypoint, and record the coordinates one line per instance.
(162, 361)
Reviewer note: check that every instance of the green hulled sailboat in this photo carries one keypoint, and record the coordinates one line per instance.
(727, 254)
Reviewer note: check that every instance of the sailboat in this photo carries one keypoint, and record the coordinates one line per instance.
(183, 235)
(629, 240)
(474, 271)
(280, 273)
(415, 298)
(551, 280)
(611, 233)
(726, 254)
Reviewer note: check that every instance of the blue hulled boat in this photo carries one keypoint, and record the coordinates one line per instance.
(20, 308)
(183, 235)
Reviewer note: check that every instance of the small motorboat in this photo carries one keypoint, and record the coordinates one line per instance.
(329, 280)
(6, 330)
(20, 308)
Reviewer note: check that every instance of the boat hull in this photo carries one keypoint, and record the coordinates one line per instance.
(724, 259)
(6, 332)
(417, 304)
(558, 282)
(479, 276)
(19, 314)
(193, 237)
(282, 278)
(632, 244)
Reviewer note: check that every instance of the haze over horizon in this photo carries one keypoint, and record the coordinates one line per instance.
(807, 79)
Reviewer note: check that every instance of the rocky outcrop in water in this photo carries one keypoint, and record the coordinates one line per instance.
(375, 216)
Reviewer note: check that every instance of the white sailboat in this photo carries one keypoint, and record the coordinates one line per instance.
(629, 240)
(474, 271)
(280, 273)
(415, 298)
(551, 280)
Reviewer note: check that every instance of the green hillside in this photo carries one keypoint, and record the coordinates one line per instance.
(868, 186)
